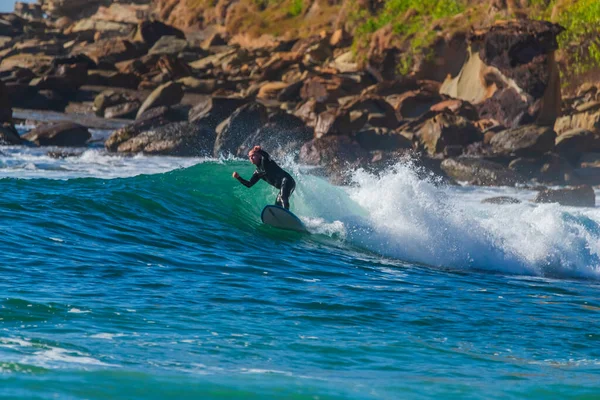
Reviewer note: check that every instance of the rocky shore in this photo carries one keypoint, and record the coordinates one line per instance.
(490, 113)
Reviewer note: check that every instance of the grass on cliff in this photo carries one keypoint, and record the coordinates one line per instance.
(411, 21)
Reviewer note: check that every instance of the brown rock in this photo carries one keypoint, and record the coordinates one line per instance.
(309, 112)
(168, 94)
(59, 134)
(149, 32)
(476, 171)
(524, 141)
(107, 52)
(549, 168)
(414, 104)
(184, 139)
(112, 79)
(329, 88)
(149, 120)
(340, 122)
(9, 135)
(212, 111)
(373, 139)
(169, 45)
(123, 110)
(5, 106)
(579, 196)
(588, 119)
(573, 143)
(232, 132)
(340, 38)
(270, 90)
(447, 130)
(332, 151)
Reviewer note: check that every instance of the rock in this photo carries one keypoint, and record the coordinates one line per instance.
(524, 141)
(5, 106)
(124, 13)
(589, 160)
(587, 174)
(414, 104)
(107, 52)
(283, 135)
(274, 69)
(149, 120)
(345, 63)
(123, 110)
(457, 107)
(73, 9)
(511, 73)
(328, 89)
(309, 112)
(214, 40)
(385, 139)
(379, 112)
(340, 122)
(108, 28)
(9, 135)
(340, 38)
(38, 63)
(59, 134)
(169, 45)
(476, 171)
(109, 98)
(112, 79)
(271, 90)
(40, 100)
(549, 168)
(571, 144)
(447, 130)
(291, 92)
(168, 94)
(332, 150)
(588, 119)
(29, 11)
(232, 132)
(392, 87)
(184, 139)
(150, 32)
(578, 196)
(212, 111)
(501, 200)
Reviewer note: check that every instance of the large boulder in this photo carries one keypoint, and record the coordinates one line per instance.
(549, 168)
(578, 196)
(59, 134)
(211, 111)
(445, 129)
(149, 120)
(168, 94)
(529, 140)
(333, 151)
(571, 144)
(283, 135)
(75, 9)
(107, 52)
(511, 73)
(476, 171)
(169, 45)
(586, 116)
(383, 139)
(5, 106)
(232, 132)
(184, 139)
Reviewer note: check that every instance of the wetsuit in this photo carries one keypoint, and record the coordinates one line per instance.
(272, 173)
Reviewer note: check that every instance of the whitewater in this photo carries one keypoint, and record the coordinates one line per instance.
(153, 277)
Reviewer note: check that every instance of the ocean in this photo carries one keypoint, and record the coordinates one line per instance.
(153, 277)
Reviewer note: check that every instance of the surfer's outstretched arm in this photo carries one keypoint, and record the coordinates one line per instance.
(255, 178)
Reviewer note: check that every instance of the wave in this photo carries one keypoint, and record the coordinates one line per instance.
(396, 214)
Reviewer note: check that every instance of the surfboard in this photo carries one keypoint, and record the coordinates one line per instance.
(281, 218)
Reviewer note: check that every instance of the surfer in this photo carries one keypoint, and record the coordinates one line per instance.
(270, 172)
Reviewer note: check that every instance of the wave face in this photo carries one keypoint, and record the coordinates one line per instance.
(153, 277)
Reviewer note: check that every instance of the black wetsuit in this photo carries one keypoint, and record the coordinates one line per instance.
(272, 173)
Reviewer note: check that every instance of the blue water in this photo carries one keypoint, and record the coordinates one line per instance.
(153, 278)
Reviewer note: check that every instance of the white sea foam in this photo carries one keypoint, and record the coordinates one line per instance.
(29, 163)
(399, 215)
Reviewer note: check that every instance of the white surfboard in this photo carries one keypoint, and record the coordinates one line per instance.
(281, 218)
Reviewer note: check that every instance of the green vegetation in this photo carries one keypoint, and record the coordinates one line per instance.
(581, 18)
(295, 8)
(410, 20)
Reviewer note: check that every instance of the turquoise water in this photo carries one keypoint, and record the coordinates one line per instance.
(152, 278)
